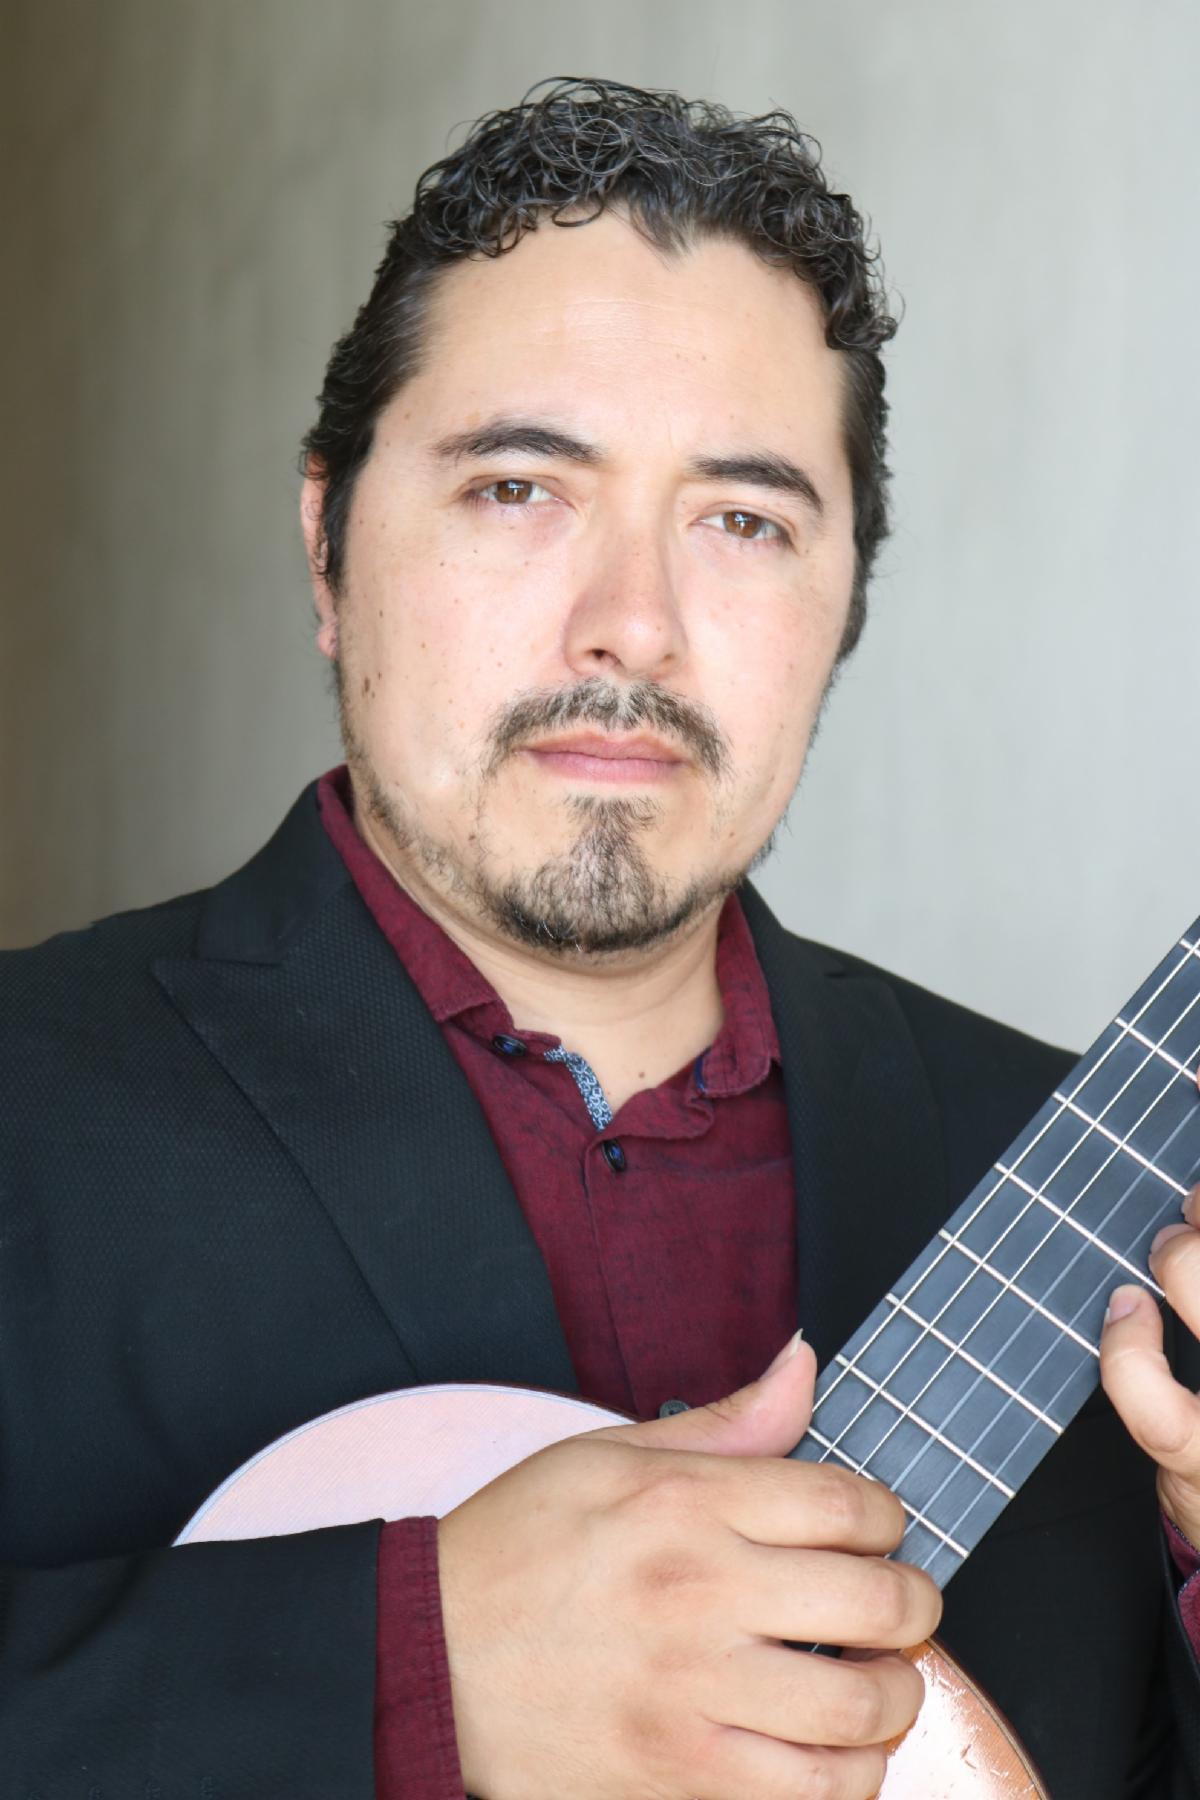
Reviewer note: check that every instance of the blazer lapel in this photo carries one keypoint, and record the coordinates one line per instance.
(298, 995)
(866, 1143)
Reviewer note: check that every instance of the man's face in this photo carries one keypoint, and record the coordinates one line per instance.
(598, 567)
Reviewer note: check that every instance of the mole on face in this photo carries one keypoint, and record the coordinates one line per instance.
(366, 686)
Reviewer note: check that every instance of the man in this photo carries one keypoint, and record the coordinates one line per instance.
(490, 1067)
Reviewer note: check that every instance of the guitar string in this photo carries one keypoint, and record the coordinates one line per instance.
(995, 1188)
(1006, 1285)
(1097, 1292)
(1051, 1121)
(900, 1412)
(896, 1412)
(944, 1534)
(1084, 1306)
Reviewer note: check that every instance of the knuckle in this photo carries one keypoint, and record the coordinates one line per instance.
(871, 1776)
(665, 1494)
(668, 1491)
(821, 1780)
(838, 1499)
(853, 1775)
(668, 1572)
(912, 1688)
(928, 1602)
(893, 1515)
(857, 1714)
(650, 1737)
(888, 1596)
(664, 1559)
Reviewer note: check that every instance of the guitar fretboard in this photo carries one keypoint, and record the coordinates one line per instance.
(969, 1370)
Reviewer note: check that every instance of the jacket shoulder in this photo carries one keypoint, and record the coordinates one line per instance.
(91, 978)
(986, 1079)
(958, 1044)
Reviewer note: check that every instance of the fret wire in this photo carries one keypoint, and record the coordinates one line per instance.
(1011, 1393)
(1140, 1036)
(1096, 1292)
(1155, 1049)
(906, 1412)
(1010, 1283)
(851, 1365)
(1121, 1142)
(1123, 1028)
(1010, 1286)
(912, 1511)
(1191, 950)
(1064, 1218)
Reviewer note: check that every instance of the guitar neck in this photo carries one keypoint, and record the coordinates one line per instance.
(972, 1366)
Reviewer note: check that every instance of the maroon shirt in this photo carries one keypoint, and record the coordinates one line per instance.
(668, 1234)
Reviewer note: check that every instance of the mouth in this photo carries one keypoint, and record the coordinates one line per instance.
(595, 756)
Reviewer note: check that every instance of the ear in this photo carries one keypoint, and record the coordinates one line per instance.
(312, 514)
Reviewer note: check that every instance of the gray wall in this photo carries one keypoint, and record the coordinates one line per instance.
(1001, 803)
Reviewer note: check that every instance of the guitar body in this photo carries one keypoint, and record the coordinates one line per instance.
(424, 1450)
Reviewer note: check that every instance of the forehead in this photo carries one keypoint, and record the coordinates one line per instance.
(628, 338)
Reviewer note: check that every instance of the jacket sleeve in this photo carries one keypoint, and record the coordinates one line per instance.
(210, 1672)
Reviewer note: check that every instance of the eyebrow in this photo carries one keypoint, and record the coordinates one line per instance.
(764, 468)
(516, 434)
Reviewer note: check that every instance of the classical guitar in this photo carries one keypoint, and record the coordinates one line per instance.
(957, 1384)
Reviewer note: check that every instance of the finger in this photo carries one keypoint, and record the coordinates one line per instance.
(768, 1500)
(811, 1505)
(804, 1698)
(826, 1597)
(1175, 1265)
(737, 1763)
(768, 1417)
(1161, 1415)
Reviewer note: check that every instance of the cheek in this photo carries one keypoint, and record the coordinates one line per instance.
(428, 662)
(768, 697)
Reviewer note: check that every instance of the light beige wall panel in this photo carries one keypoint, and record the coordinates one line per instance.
(1001, 800)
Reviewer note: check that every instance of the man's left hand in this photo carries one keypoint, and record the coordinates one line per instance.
(1160, 1413)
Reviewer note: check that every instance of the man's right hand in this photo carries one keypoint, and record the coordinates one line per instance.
(616, 1609)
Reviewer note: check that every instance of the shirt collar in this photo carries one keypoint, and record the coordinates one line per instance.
(454, 989)
(446, 979)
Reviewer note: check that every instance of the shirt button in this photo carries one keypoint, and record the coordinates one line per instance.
(669, 1408)
(508, 1046)
(614, 1156)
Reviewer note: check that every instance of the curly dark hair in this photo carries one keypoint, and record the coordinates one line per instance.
(679, 169)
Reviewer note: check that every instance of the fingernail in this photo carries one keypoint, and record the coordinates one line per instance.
(1121, 1303)
(789, 1350)
(1190, 1199)
(1167, 1232)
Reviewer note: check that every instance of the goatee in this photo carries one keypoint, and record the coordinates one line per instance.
(601, 895)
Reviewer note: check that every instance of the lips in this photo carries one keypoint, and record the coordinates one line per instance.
(609, 749)
(594, 756)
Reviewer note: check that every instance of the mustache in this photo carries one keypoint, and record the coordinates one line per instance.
(595, 701)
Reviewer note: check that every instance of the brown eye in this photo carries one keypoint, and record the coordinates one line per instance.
(751, 527)
(510, 490)
(512, 493)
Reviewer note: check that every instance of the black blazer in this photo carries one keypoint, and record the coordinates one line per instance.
(243, 1181)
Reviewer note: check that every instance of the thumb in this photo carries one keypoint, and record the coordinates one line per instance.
(766, 1418)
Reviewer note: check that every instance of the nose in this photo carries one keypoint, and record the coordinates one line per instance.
(626, 618)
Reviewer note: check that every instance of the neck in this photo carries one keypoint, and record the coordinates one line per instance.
(636, 1018)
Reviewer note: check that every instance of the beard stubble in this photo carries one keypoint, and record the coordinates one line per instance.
(600, 896)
